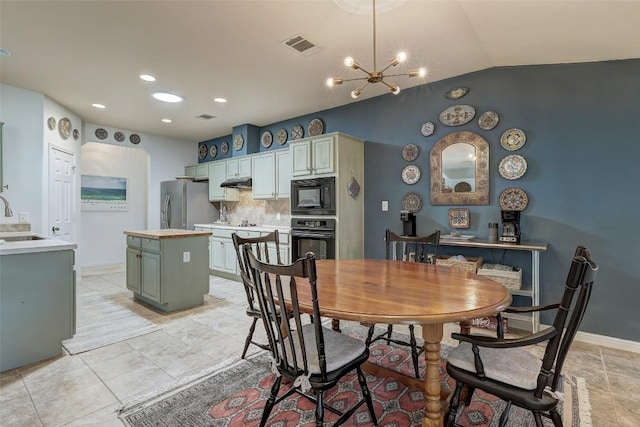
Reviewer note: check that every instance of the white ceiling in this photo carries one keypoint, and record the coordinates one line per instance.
(81, 52)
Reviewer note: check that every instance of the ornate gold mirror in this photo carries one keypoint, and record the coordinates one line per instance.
(460, 170)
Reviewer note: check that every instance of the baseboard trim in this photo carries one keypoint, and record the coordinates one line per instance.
(605, 341)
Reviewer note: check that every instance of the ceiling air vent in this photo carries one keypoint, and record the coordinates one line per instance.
(205, 117)
(301, 45)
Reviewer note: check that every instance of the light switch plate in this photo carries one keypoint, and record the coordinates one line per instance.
(186, 256)
(385, 205)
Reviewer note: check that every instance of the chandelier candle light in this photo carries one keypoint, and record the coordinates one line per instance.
(376, 76)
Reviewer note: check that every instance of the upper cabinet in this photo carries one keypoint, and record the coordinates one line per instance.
(271, 175)
(239, 168)
(218, 174)
(313, 156)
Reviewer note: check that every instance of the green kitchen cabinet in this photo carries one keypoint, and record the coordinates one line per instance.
(168, 269)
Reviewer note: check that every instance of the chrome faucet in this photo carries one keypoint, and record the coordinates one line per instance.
(7, 207)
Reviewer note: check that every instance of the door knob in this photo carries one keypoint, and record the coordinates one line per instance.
(55, 229)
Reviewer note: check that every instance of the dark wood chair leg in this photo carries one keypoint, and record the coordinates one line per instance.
(555, 417)
(367, 395)
(370, 335)
(252, 329)
(470, 391)
(271, 401)
(414, 350)
(320, 409)
(538, 418)
(453, 405)
(499, 326)
(389, 332)
(504, 417)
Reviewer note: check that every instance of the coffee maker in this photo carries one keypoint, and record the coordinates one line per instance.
(510, 227)
(408, 223)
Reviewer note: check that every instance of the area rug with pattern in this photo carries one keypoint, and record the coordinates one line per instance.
(101, 321)
(234, 394)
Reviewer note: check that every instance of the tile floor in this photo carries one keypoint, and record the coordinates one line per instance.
(87, 389)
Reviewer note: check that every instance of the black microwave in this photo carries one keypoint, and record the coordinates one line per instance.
(316, 196)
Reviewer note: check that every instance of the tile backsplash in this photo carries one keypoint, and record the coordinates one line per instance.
(260, 212)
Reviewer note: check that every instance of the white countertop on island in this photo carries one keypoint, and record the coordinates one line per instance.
(45, 244)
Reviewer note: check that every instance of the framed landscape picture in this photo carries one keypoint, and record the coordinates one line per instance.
(103, 193)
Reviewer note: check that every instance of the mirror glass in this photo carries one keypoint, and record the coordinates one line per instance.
(460, 170)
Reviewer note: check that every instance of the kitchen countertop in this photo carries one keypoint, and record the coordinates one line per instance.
(167, 233)
(45, 244)
(264, 228)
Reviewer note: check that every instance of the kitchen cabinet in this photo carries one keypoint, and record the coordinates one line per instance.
(37, 308)
(197, 172)
(168, 268)
(217, 172)
(190, 171)
(239, 167)
(313, 156)
(271, 175)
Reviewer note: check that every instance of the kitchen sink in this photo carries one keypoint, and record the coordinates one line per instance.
(21, 238)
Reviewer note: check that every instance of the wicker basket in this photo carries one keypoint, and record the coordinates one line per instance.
(471, 264)
(511, 279)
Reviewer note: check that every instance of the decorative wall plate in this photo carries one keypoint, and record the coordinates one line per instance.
(134, 138)
(238, 142)
(281, 136)
(213, 151)
(101, 133)
(457, 115)
(513, 139)
(202, 151)
(459, 218)
(316, 127)
(51, 123)
(412, 202)
(118, 136)
(266, 139)
(457, 92)
(224, 147)
(488, 120)
(427, 129)
(410, 152)
(411, 174)
(297, 132)
(513, 199)
(512, 166)
(76, 134)
(64, 127)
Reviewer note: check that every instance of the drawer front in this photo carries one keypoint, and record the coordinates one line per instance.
(224, 233)
(248, 234)
(284, 238)
(133, 241)
(151, 244)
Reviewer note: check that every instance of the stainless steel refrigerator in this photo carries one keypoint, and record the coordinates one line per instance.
(185, 203)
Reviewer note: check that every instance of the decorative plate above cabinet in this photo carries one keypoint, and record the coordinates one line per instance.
(281, 136)
(224, 147)
(488, 120)
(202, 151)
(297, 132)
(316, 127)
(213, 151)
(427, 129)
(457, 115)
(238, 142)
(266, 139)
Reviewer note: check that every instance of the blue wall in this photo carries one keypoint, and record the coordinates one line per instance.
(582, 123)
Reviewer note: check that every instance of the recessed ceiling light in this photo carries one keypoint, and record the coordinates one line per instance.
(221, 100)
(167, 97)
(100, 106)
(147, 77)
(4, 52)
(166, 120)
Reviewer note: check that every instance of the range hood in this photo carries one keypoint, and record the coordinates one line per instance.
(237, 183)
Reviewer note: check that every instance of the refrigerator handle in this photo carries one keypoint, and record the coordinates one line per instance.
(165, 214)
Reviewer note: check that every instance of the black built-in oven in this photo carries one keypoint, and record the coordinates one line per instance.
(313, 235)
(314, 196)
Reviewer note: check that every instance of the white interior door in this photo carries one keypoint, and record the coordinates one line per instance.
(61, 176)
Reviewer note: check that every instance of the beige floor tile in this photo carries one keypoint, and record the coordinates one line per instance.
(18, 412)
(624, 386)
(67, 407)
(118, 365)
(12, 387)
(137, 381)
(43, 388)
(105, 417)
(624, 363)
(627, 412)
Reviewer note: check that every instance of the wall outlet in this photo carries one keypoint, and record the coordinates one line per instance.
(186, 256)
(385, 205)
(278, 216)
(23, 217)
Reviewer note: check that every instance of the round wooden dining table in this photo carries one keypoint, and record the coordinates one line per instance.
(383, 291)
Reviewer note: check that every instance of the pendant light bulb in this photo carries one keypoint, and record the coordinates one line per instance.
(356, 93)
(401, 57)
(331, 81)
(394, 89)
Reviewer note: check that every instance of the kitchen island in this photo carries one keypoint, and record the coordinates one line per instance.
(168, 268)
(37, 297)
